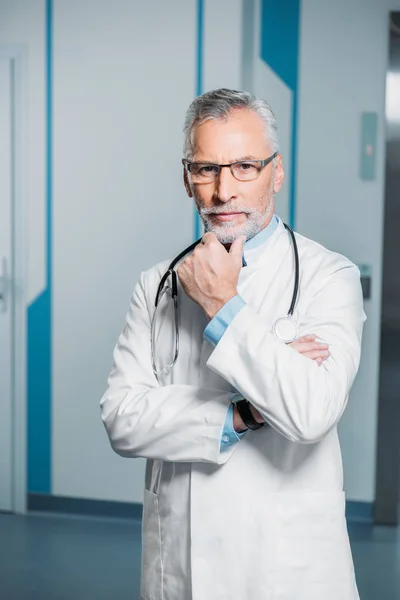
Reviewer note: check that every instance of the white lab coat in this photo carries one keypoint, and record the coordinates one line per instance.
(264, 520)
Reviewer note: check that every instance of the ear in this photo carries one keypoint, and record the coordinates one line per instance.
(279, 174)
(186, 183)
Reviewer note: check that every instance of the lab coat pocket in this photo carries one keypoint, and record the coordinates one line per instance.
(151, 583)
(313, 545)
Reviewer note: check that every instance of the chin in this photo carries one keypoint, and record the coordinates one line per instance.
(228, 235)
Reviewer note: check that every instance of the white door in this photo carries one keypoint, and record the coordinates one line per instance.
(6, 320)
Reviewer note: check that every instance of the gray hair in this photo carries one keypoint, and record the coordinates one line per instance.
(217, 104)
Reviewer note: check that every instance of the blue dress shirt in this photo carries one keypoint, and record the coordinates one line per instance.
(221, 321)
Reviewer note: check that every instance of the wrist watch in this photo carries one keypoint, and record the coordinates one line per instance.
(243, 407)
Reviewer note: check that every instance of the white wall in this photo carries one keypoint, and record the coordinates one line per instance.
(119, 68)
(124, 75)
(222, 45)
(103, 82)
(343, 60)
(119, 206)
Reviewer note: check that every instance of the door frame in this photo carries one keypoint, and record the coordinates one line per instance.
(387, 483)
(18, 56)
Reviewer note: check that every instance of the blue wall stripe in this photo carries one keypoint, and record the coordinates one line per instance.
(199, 84)
(279, 48)
(39, 394)
(39, 347)
(279, 39)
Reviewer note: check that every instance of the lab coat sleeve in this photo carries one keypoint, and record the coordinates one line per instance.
(294, 395)
(179, 423)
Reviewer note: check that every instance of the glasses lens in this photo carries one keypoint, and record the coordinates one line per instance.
(203, 172)
(246, 171)
(163, 333)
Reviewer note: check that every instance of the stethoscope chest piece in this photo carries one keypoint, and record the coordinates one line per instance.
(286, 329)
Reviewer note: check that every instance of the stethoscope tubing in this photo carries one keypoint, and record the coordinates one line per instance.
(171, 271)
(174, 293)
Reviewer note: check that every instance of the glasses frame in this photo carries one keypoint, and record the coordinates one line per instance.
(264, 162)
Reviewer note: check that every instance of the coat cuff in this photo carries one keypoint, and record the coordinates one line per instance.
(221, 321)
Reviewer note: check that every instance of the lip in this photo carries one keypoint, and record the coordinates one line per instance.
(227, 216)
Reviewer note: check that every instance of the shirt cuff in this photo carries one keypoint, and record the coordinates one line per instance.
(221, 321)
(229, 435)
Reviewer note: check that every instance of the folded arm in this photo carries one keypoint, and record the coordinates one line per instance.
(181, 423)
(299, 398)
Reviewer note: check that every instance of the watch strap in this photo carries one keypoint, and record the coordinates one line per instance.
(243, 407)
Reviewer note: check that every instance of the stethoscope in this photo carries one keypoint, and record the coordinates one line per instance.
(284, 328)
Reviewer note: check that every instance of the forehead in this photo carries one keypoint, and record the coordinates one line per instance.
(241, 134)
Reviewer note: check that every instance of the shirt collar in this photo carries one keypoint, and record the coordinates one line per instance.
(261, 237)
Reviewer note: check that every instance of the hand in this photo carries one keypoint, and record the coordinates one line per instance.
(307, 346)
(210, 274)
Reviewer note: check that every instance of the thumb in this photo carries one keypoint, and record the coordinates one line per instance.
(236, 248)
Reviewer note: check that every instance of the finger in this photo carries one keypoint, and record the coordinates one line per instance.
(209, 237)
(303, 340)
(307, 338)
(308, 346)
(324, 354)
(181, 270)
(236, 248)
(185, 267)
(319, 361)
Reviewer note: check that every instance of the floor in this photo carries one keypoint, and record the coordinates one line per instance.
(68, 558)
(50, 557)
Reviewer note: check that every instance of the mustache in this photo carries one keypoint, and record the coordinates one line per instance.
(217, 210)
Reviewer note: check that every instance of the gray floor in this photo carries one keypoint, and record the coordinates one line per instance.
(48, 557)
(68, 558)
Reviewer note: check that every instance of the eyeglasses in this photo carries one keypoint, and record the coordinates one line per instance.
(246, 170)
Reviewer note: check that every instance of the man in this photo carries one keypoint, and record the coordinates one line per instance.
(232, 511)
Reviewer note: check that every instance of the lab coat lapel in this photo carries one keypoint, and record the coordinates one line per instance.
(268, 281)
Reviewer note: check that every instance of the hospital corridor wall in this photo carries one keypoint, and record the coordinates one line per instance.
(108, 85)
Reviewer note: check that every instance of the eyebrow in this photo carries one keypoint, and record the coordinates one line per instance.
(241, 159)
(248, 157)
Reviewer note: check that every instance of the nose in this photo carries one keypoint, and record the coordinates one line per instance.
(226, 188)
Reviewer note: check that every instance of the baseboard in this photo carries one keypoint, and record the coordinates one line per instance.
(355, 511)
(360, 511)
(83, 506)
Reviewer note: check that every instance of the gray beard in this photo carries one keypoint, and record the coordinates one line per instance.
(227, 232)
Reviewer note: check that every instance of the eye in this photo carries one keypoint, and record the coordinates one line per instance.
(205, 170)
(246, 166)
(246, 171)
(208, 169)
